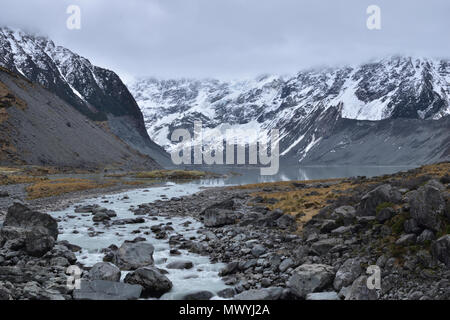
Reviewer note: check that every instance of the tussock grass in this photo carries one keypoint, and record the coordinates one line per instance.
(49, 188)
(19, 179)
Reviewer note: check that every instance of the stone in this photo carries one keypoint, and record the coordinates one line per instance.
(104, 271)
(286, 222)
(100, 217)
(199, 295)
(406, 239)
(273, 293)
(385, 214)
(131, 256)
(153, 282)
(441, 249)
(309, 278)
(381, 194)
(426, 205)
(38, 242)
(107, 290)
(323, 296)
(21, 216)
(286, 264)
(227, 293)
(346, 214)
(219, 217)
(411, 226)
(258, 250)
(180, 264)
(360, 291)
(426, 235)
(230, 268)
(323, 246)
(347, 273)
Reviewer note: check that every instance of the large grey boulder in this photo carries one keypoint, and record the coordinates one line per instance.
(21, 216)
(286, 221)
(426, 206)
(347, 273)
(107, 290)
(360, 291)
(219, 217)
(441, 249)
(38, 242)
(381, 194)
(131, 256)
(180, 264)
(346, 214)
(323, 246)
(32, 231)
(309, 278)
(104, 271)
(273, 293)
(153, 282)
(198, 295)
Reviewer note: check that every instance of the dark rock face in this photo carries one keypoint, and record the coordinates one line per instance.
(153, 282)
(131, 256)
(34, 231)
(426, 205)
(97, 93)
(22, 217)
(107, 290)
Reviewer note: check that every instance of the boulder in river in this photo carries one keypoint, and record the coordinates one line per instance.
(131, 256)
(180, 264)
(199, 295)
(107, 290)
(104, 271)
(153, 282)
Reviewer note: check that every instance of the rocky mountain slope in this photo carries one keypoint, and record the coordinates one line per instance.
(39, 128)
(97, 93)
(314, 106)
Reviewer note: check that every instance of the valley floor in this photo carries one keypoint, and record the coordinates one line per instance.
(303, 239)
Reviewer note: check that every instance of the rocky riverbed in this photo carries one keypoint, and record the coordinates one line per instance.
(398, 223)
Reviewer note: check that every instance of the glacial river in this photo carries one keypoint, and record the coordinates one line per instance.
(75, 227)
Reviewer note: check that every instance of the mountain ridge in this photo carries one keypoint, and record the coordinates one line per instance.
(390, 88)
(96, 92)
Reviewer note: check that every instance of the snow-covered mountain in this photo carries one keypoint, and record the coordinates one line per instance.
(306, 108)
(97, 93)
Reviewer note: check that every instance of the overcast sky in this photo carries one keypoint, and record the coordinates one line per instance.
(234, 38)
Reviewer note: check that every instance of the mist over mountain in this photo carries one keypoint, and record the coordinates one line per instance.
(314, 107)
(97, 93)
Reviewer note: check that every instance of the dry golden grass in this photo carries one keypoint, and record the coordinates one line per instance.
(302, 203)
(57, 187)
(19, 179)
